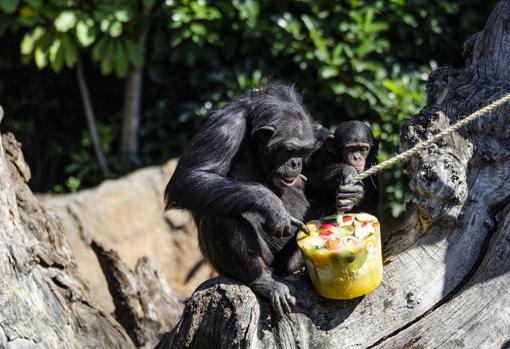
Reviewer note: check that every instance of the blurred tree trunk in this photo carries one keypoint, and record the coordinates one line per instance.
(90, 116)
(131, 113)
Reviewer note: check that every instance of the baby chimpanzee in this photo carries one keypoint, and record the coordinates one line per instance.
(338, 157)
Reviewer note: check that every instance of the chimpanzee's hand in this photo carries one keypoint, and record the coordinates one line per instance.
(277, 219)
(349, 195)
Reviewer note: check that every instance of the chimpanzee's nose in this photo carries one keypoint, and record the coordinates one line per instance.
(295, 163)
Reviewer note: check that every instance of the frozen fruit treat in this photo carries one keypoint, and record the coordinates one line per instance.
(343, 254)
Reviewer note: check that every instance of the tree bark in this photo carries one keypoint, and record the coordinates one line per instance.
(44, 303)
(447, 266)
(144, 304)
(91, 119)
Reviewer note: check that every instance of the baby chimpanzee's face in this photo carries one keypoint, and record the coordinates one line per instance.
(351, 144)
(355, 154)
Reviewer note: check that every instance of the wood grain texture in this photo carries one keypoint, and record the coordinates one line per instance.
(144, 303)
(44, 303)
(446, 267)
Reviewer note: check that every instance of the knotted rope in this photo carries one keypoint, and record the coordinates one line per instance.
(420, 146)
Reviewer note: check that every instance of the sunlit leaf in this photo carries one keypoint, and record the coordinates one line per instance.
(41, 58)
(65, 21)
(30, 39)
(115, 29)
(85, 33)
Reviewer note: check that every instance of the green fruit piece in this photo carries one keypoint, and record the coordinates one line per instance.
(365, 217)
(344, 231)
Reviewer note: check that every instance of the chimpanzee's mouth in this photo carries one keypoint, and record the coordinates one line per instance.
(291, 181)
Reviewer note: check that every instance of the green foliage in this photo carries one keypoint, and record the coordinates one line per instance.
(57, 31)
(352, 59)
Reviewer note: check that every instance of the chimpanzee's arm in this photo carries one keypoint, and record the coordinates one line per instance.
(199, 182)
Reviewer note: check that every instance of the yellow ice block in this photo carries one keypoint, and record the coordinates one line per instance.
(350, 264)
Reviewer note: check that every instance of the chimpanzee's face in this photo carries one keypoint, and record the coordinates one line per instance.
(353, 143)
(282, 155)
(355, 154)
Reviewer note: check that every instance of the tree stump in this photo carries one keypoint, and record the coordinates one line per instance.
(446, 274)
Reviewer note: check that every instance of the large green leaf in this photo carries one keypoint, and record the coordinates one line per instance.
(133, 52)
(8, 6)
(107, 58)
(120, 60)
(70, 51)
(99, 49)
(56, 55)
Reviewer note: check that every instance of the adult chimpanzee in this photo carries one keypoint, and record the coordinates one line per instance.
(338, 157)
(240, 178)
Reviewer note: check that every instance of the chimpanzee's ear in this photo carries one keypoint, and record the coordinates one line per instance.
(264, 132)
(330, 144)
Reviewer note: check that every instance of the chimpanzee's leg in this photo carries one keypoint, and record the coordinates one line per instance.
(288, 260)
(235, 248)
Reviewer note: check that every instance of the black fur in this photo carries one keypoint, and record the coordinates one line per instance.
(231, 177)
(327, 171)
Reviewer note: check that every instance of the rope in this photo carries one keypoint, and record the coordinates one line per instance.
(420, 146)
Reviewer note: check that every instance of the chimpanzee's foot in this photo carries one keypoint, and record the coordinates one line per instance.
(277, 292)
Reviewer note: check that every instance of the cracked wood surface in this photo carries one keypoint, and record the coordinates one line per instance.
(446, 277)
(44, 302)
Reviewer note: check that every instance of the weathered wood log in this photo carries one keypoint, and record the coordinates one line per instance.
(447, 268)
(144, 303)
(44, 302)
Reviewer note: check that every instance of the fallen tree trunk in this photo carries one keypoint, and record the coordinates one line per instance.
(446, 274)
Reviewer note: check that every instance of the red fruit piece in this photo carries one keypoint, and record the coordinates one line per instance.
(326, 233)
(347, 219)
(326, 226)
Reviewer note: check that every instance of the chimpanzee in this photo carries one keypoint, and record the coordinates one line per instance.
(338, 157)
(241, 179)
